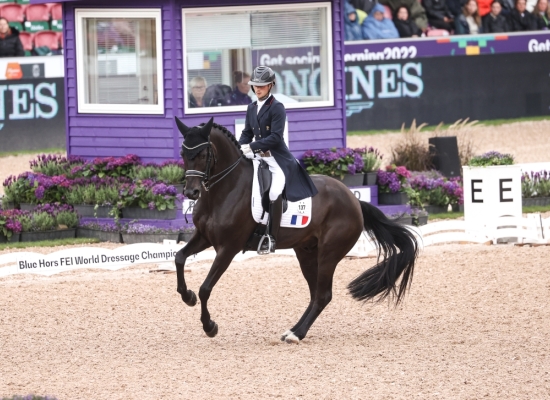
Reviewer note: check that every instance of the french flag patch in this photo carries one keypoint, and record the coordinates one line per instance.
(299, 220)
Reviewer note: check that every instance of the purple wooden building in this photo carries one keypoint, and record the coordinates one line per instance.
(131, 66)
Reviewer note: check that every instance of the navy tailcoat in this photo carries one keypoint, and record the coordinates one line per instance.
(266, 129)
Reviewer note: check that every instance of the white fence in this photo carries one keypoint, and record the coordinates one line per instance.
(530, 230)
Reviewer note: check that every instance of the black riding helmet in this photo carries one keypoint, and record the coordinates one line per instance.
(262, 76)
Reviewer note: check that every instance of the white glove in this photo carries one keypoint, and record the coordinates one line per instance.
(247, 151)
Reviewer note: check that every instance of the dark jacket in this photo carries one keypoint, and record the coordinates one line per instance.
(267, 129)
(518, 22)
(418, 14)
(406, 28)
(436, 9)
(239, 98)
(206, 102)
(542, 21)
(11, 46)
(352, 28)
(462, 27)
(365, 5)
(496, 24)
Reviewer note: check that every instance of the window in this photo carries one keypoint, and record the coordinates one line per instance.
(119, 61)
(222, 46)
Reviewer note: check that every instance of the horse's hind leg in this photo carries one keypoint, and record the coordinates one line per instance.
(308, 265)
(197, 244)
(329, 256)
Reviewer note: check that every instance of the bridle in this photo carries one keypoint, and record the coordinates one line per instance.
(206, 179)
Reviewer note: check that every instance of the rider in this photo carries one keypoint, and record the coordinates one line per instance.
(265, 124)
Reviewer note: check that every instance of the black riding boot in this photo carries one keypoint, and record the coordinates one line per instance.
(275, 214)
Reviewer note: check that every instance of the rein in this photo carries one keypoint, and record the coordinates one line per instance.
(205, 176)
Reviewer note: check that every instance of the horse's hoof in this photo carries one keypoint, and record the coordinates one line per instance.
(213, 332)
(283, 337)
(292, 339)
(192, 301)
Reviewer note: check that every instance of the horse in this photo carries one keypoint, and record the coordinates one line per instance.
(220, 178)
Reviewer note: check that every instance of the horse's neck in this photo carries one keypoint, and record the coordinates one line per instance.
(227, 155)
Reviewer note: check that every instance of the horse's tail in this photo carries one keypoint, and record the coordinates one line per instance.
(381, 280)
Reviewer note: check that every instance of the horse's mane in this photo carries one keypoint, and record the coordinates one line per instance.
(229, 135)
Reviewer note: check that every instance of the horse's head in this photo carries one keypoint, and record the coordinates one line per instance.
(197, 154)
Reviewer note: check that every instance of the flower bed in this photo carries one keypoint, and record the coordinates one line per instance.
(345, 164)
(105, 232)
(535, 188)
(491, 158)
(140, 233)
(433, 192)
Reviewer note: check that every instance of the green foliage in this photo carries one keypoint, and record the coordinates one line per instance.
(172, 174)
(372, 160)
(142, 172)
(48, 243)
(26, 223)
(21, 191)
(67, 218)
(491, 158)
(42, 221)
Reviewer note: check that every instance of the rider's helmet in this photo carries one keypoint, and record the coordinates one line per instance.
(262, 76)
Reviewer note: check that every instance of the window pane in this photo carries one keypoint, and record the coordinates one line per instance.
(292, 42)
(121, 61)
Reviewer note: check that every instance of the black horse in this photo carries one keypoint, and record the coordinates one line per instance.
(221, 179)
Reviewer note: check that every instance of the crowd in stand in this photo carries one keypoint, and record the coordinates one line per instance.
(389, 19)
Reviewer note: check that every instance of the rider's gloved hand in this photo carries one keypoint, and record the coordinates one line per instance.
(247, 151)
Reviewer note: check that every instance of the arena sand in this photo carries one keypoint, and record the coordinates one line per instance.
(474, 325)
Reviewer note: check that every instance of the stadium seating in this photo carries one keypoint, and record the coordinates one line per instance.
(438, 32)
(56, 10)
(47, 39)
(14, 14)
(38, 17)
(26, 39)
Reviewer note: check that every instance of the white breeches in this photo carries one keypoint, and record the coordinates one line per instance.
(278, 178)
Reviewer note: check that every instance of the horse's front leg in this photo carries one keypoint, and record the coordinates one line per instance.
(220, 265)
(197, 244)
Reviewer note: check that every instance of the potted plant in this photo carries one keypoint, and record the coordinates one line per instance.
(372, 159)
(186, 235)
(10, 227)
(402, 218)
(104, 231)
(535, 189)
(344, 164)
(391, 185)
(419, 217)
(172, 172)
(95, 197)
(48, 222)
(139, 233)
(149, 200)
(491, 158)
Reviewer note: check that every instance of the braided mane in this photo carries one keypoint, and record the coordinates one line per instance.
(229, 135)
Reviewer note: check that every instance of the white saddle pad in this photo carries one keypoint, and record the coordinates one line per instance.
(297, 215)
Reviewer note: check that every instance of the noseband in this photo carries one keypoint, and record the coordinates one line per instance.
(206, 179)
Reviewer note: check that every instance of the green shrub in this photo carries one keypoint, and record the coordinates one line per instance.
(491, 158)
(67, 218)
(172, 174)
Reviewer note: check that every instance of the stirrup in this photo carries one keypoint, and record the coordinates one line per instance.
(264, 250)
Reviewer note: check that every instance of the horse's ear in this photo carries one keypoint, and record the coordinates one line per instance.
(182, 127)
(205, 131)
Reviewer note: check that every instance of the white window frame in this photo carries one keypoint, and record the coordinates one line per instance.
(83, 107)
(273, 7)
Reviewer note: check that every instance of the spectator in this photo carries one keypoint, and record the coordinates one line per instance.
(364, 5)
(240, 96)
(541, 14)
(404, 25)
(198, 89)
(507, 7)
(417, 12)
(10, 44)
(376, 26)
(351, 23)
(495, 22)
(520, 19)
(438, 14)
(469, 22)
(455, 7)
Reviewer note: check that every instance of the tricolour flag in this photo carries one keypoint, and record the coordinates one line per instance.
(299, 220)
